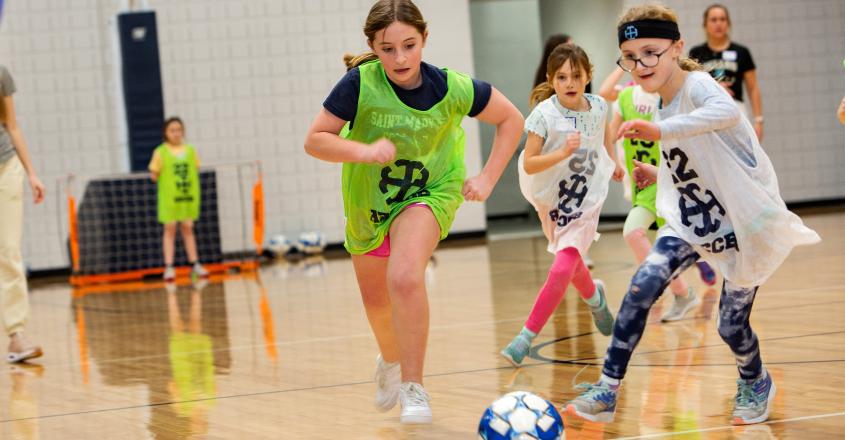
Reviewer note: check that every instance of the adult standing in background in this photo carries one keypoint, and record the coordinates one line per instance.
(14, 161)
(729, 63)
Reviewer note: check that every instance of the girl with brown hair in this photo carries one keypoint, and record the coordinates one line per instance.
(394, 122)
(564, 173)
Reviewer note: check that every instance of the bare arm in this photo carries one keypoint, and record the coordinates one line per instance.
(323, 142)
(612, 129)
(11, 124)
(155, 166)
(508, 121)
(535, 162)
(608, 89)
(610, 145)
(750, 78)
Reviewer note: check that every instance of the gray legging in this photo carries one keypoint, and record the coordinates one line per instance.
(669, 257)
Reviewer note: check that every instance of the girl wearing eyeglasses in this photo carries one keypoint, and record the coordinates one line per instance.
(635, 103)
(718, 193)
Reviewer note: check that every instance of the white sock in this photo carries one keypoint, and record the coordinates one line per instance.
(614, 383)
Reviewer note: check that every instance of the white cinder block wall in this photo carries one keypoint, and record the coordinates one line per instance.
(798, 48)
(247, 76)
(57, 53)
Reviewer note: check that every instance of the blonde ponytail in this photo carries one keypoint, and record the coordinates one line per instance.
(689, 64)
(542, 92)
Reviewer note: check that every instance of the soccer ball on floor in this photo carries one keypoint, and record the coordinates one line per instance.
(310, 243)
(279, 245)
(523, 416)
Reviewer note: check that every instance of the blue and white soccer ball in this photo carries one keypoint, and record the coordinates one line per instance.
(310, 243)
(279, 245)
(523, 416)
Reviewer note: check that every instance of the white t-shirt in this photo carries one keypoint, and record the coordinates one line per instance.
(569, 195)
(717, 189)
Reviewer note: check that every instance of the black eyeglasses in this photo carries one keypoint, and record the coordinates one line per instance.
(648, 61)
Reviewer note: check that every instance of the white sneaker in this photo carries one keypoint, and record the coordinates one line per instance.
(169, 274)
(198, 271)
(388, 377)
(21, 349)
(414, 401)
(681, 306)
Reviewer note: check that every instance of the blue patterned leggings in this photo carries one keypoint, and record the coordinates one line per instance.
(669, 257)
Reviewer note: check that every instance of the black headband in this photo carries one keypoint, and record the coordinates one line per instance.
(648, 29)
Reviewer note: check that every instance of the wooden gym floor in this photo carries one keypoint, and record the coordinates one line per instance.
(290, 356)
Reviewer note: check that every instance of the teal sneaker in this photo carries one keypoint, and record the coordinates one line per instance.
(601, 314)
(752, 402)
(597, 403)
(516, 351)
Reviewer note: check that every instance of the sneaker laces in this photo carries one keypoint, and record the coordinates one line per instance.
(575, 378)
(745, 395)
(592, 390)
(382, 372)
(416, 395)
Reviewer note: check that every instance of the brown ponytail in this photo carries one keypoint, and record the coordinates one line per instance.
(383, 14)
(353, 61)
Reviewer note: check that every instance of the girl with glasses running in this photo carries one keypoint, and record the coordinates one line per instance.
(717, 191)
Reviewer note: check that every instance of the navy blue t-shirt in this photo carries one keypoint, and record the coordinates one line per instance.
(343, 99)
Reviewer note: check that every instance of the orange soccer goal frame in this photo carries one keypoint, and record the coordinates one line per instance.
(244, 264)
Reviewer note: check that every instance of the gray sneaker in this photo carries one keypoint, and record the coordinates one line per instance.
(752, 401)
(597, 403)
(601, 314)
(681, 306)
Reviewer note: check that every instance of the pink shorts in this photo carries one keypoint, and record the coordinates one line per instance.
(384, 249)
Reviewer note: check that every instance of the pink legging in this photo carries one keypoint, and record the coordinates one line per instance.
(568, 266)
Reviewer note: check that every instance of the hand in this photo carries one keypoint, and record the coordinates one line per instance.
(639, 129)
(573, 143)
(644, 174)
(614, 93)
(380, 151)
(727, 87)
(618, 172)
(841, 111)
(478, 188)
(37, 188)
(758, 128)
